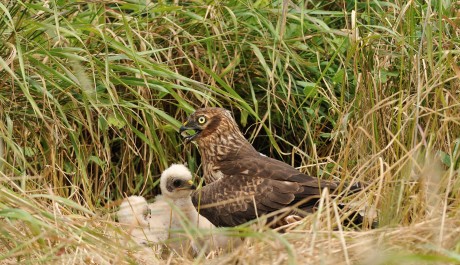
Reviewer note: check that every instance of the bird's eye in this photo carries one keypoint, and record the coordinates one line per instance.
(201, 120)
(177, 183)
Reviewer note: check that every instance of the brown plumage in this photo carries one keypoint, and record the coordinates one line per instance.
(241, 183)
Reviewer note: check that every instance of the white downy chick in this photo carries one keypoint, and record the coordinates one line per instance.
(134, 211)
(172, 214)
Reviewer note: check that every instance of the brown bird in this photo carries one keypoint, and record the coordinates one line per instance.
(241, 183)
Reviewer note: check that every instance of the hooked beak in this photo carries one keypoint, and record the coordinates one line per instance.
(189, 126)
(189, 185)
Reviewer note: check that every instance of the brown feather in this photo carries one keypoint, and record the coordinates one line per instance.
(242, 184)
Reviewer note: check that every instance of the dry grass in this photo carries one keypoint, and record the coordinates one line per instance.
(92, 94)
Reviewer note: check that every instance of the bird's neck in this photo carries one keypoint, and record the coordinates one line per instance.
(222, 148)
(221, 151)
(183, 207)
(182, 202)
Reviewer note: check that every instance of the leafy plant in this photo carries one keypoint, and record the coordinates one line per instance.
(92, 95)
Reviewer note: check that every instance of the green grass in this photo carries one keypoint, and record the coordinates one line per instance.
(92, 95)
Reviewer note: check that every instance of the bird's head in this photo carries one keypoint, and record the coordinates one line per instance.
(207, 121)
(176, 182)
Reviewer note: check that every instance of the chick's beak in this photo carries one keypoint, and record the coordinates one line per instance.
(191, 185)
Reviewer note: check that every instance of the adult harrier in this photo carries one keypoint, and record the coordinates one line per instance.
(241, 183)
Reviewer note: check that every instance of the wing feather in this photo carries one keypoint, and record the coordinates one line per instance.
(281, 198)
(238, 199)
(241, 183)
(248, 164)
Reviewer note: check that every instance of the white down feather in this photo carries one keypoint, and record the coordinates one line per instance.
(168, 218)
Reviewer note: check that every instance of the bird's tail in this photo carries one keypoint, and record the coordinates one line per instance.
(133, 211)
(364, 215)
(353, 214)
(360, 218)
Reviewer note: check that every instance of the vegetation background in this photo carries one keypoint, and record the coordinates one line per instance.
(92, 94)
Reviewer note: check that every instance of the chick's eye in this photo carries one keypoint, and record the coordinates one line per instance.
(201, 120)
(177, 183)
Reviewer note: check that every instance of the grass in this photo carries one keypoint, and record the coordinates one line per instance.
(92, 95)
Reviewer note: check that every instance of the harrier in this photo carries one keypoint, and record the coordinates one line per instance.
(163, 220)
(241, 183)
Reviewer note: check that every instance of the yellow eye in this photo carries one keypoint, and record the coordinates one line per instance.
(201, 120)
